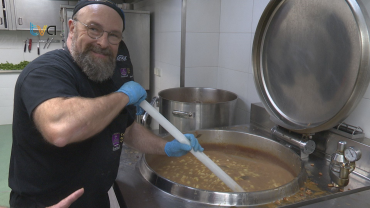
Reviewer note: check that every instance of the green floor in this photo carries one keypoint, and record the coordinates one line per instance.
(5, 146)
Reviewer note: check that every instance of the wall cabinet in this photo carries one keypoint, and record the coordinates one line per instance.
(5, 14)
(40, 12)
(20, 13)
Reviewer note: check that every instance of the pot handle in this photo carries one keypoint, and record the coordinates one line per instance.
(183, 114)
(146, 115)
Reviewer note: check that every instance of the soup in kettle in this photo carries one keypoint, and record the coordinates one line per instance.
(252, 169)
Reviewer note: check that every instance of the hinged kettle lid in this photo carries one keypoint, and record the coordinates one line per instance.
(311, 61)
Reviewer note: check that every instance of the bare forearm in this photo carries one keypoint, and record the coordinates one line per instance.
(143, 140)
(68, 120)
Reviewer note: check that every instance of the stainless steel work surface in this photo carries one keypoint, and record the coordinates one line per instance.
(360, 199)
(311, 61)
(138, 192)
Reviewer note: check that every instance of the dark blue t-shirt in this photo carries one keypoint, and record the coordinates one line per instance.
(43, 174)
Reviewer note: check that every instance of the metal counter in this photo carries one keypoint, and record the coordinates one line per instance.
(138, 192)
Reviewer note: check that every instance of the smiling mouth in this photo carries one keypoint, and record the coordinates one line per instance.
(99, 54)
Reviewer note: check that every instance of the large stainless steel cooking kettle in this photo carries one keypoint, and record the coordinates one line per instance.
(286, 155)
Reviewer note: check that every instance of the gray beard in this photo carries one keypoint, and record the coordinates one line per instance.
(97, 70)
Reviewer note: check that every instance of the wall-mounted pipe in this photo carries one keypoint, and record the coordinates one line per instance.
(183, 43)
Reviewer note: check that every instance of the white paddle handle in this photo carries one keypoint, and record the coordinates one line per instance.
(199, 155)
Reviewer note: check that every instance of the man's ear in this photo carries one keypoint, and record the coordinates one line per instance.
(71, 26)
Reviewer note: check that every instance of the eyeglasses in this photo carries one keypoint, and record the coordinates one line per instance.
(95, 32)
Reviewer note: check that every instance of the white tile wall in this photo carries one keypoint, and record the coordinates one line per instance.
(236, 16)
(8, 81)
(170, 15)
(6, 102)
(170, 76)
(170, 47)
(10, 40)
(235, 54)
(7, 92)
(235, 51)
(157, 47)
(202, 49)
(236, 82)
(201, 77)
(203, 16)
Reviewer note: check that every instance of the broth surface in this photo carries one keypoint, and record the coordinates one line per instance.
(252, 169)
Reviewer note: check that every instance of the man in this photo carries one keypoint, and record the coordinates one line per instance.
(70, 120)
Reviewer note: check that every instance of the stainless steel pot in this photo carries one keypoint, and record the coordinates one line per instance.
(286, 155)
(190, 108)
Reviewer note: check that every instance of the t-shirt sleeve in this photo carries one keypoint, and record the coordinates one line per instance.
(44, 83)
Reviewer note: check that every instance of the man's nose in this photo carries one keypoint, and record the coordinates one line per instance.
(103, 40)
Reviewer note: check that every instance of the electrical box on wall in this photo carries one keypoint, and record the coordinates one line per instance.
(157, 71)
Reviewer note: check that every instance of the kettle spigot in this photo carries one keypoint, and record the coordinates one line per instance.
(304, 143)
(343, 163)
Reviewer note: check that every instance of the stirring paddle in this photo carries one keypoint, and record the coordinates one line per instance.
(199, 155)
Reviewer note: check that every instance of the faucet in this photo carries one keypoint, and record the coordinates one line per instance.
(342, 163)
(303, 142)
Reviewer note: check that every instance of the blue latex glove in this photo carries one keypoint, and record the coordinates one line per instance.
(136, 94)
(177, 149)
